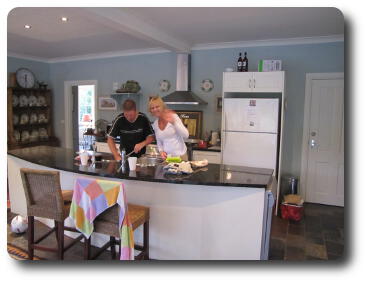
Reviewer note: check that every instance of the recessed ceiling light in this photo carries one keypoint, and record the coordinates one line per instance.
(27, 26)
(64, 19)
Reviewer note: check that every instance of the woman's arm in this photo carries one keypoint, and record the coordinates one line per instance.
(180, 127)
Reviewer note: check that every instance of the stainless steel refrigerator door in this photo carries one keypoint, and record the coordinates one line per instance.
(250, 149)
(252, 115)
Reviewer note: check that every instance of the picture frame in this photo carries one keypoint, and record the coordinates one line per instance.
(219, 103)
(107, 103)
(193, 121)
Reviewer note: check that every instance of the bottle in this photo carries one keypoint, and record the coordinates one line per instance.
(239, 64)
(123, 155)
(245, 63)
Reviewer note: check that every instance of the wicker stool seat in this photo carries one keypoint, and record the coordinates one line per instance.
(108, 223)
(46, 199)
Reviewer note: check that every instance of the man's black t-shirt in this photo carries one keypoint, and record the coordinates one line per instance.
(131, 133)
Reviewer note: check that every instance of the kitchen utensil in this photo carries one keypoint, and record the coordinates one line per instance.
(129, 154)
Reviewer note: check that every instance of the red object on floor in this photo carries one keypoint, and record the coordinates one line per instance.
(292, 212)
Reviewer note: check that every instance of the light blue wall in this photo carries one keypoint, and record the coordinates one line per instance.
(148, 70)
(40, 70)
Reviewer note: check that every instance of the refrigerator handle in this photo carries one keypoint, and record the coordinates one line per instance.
(254, 83)
(249, 83)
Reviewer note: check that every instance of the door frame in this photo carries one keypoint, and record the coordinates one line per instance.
(68, 107)
(306, 123)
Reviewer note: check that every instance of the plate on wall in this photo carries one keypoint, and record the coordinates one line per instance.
(164, 85)
(207, 85)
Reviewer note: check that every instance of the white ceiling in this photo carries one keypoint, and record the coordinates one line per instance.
(107, 30)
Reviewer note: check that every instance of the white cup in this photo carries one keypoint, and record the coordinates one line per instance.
(132, 163)
(84, 156)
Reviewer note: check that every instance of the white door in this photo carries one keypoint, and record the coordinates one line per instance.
(324, 169)
(249, 149)
(268, 81)
(253, 115)
(237, 81)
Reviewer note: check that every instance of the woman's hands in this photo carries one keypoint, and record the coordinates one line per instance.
(167, 115)
(163, 154)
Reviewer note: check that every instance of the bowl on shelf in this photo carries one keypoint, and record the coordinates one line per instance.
(15, 119)
(24, 119)
(32, 101)
(15, 100)
(25, 136)
(23, 101)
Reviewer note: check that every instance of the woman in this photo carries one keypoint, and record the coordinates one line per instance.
(169, 130)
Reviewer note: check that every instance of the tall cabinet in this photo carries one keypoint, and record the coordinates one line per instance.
(29, 117)
(255, 85)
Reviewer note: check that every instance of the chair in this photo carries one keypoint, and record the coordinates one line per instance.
(46, 199)
(108, 223)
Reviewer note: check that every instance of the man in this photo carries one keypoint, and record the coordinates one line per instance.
(134, 130)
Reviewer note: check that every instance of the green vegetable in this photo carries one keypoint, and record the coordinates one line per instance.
(175, 159)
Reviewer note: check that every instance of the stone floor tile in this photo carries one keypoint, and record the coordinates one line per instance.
(334, 248)
(294, 253)
(315, 250)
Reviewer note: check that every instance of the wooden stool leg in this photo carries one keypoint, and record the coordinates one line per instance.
(56, 231)
(113, 247)
(146, 240)
(87, 248)
(30, 237)
(60, 242)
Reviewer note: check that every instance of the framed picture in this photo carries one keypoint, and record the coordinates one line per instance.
(107, 103)
(219, 104)
(193, 121)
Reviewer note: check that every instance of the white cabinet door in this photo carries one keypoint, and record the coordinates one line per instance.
(268, 82)
(211, 156)
(250, 149)
(237, 81)
(103, 147)
(252, 115)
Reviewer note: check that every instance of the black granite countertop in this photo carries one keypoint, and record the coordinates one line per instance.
(211, 175)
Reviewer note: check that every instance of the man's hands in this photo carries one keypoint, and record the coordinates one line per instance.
(138, 147)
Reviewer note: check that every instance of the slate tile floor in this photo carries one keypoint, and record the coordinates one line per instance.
(318, 236)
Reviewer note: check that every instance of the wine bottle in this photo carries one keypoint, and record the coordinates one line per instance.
(245, 63)
(239, 64)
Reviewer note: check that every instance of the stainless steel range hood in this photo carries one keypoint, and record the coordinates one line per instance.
(183, 94)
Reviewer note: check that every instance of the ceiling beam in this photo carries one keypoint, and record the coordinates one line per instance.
(124, 20)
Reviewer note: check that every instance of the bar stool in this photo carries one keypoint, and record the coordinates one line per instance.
(108, 223)
(46, 199)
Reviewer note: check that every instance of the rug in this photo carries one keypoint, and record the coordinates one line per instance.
(18, 253)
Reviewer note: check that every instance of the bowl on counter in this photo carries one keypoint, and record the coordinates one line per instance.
(147, 160)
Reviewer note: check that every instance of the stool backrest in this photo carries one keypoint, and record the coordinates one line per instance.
(43, 193)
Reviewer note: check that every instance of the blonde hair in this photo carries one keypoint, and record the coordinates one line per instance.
(158, 100)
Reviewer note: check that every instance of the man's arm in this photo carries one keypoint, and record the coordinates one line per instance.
(112, 145)
(141, 145)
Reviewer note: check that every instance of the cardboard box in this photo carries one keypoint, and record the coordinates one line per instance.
(269, 65)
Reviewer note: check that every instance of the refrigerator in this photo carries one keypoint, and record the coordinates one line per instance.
(250, 132)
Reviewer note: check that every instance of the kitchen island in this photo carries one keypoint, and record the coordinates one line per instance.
(217, 212)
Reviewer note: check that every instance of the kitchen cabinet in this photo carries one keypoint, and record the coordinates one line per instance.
(103, 147)
(29, 115)
(211, 156)
(253, 81)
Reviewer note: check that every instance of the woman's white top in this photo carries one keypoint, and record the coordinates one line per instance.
(171, 139)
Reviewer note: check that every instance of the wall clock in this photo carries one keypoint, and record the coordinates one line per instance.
(207, 85)
(25, 78)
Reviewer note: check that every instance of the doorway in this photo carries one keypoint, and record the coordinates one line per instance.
(322, 172)
(80, 113)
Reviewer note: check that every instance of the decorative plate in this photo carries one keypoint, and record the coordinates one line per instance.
(16, 135)
(34, 135)
(42, 118)
(32, 101)
(15, 119)
(25, 136)
(15, 100)
(41, 101)
(207, 85)
(23, 101)
(43, 134)
(33, 119)
(164, 85)
(24, 119)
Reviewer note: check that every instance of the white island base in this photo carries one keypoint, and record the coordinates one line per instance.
(187, 222)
